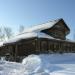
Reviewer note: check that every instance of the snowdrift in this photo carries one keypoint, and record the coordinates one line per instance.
(44, 64)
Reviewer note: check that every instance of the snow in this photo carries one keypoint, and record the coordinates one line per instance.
(31, 35)
(41, 27)
(33, 32)
(1, 43)
(43, 64)
(22, 36)
(43, 35)
(28, 35)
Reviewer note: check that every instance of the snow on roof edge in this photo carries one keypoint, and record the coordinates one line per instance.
(28, 35)
(1, 43)
(33, 34)
(42, 26)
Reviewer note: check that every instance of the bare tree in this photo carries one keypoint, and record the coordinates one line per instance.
(21, 28)
(8, 32)
(2, 35)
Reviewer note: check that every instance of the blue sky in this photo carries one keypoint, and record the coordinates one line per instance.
(14, 13)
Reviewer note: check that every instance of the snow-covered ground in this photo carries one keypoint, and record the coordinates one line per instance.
(44, 64)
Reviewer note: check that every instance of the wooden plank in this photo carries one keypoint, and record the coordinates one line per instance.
(16, 50)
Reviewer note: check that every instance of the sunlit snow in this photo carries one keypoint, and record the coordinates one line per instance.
(43, 64)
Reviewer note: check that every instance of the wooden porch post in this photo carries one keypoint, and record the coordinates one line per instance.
(36, 43)
(16, 47)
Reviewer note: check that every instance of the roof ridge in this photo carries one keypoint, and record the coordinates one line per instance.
(34, 27)
(48, 21)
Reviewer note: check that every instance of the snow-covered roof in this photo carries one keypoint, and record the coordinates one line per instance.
(22, 36)
(35, 31)
(70, 40)
(41, 27)
(31, 35)
(28, 35)
(1, 43)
